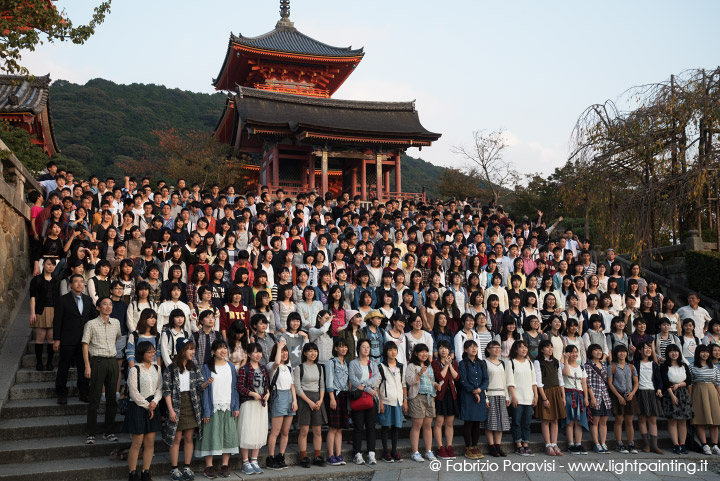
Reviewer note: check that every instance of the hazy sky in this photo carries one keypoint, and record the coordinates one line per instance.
(529, 67)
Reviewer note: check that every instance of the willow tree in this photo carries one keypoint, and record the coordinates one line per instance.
(655, 161)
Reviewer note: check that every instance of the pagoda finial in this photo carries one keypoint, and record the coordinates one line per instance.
(284, 14)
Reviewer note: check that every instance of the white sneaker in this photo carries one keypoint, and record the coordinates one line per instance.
(430, 456)
(706, 450)
(359, 459)
(715, 449)
(371, 458)
(417, 457)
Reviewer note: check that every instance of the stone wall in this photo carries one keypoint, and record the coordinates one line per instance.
(15, 269)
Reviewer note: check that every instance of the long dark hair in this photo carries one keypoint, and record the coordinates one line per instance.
(217, 344)
(142, 323)
(237, 327)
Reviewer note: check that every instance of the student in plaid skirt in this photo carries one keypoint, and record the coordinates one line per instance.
(599, 395)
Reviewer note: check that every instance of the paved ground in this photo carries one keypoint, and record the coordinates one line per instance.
(567, 468)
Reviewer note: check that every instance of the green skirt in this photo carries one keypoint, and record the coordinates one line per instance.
(220, 436)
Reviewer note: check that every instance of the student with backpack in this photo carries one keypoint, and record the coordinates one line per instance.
(183, 384)
(171, 333)
(473, 408)
(595, 335)
(445, 370)
(283, 404)
(136, 307)
(259, 328)
(374, 333)
(309, 383)
(677, 404)
(497, 399)
(623, 385)
(663, 339)
(220, 406)
(336, 385)
(146, 332)
(393, 400)
(551, 389)
(364, 380)
(205, 338)
(142, 420)
(522, 390)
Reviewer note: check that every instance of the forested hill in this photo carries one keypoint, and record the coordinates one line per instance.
(102, 123)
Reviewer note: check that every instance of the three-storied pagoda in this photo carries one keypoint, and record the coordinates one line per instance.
(279, 114)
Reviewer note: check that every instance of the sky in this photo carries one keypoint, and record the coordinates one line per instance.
(527, 67)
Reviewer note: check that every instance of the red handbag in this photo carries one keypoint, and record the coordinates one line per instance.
(365, 401)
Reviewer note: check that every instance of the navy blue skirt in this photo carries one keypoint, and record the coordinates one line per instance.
(137, 420)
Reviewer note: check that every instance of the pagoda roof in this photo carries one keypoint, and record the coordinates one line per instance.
(20, 94)
(21, 97)
(331, 120)
(286, 39)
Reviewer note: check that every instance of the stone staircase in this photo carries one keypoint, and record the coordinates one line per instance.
(38, 436)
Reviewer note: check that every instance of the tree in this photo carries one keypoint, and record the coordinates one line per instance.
(23, 21)
(487, 156)
(458, 184)
(656, 166)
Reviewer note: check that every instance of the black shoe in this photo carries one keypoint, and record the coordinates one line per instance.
(280, 461)
(319, 461)
(62, 400)
(134, 476)
(270, 463)
(145, 476)
(39, 366)
(49, 366)
(305, 462)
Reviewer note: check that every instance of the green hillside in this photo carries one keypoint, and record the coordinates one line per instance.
(102, 123)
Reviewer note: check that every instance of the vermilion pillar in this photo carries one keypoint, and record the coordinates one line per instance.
(398, 176)
(386, 181)
(353, 181)
(363, 179)
(324, 172)
(379, 176)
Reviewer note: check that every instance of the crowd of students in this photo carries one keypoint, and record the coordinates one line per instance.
(232, 318)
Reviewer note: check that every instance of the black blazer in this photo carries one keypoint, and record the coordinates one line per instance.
(69, 323)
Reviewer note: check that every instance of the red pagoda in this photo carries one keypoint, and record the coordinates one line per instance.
(280, 118)
(24, 103)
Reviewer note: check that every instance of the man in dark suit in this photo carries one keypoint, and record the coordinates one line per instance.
(73, 310)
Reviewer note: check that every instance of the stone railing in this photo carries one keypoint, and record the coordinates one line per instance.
(15, 258)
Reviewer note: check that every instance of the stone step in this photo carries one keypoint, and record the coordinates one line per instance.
(29, 362)
(30, 375)
(92, 462)
(103, 468)
(32, 408)
(48, 427)
(38, 390)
